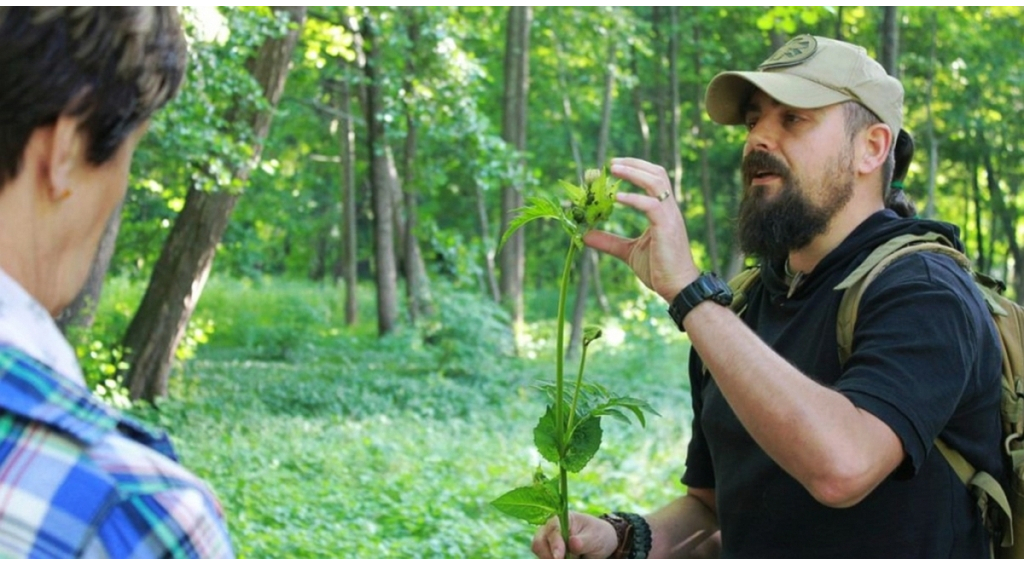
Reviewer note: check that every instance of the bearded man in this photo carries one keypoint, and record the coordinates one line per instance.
(793, 453)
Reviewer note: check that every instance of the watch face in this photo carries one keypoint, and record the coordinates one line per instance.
(707, 286)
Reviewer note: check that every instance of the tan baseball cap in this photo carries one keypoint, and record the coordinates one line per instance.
(810, 72)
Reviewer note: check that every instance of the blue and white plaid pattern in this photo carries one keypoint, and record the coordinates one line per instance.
(79, 479)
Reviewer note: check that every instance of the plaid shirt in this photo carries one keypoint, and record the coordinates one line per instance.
(78, 479)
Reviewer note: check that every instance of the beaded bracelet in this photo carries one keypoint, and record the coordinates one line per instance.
(633, 532)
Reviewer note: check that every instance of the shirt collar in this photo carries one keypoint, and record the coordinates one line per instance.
(25, 324)
(40, 378)
(29, 390)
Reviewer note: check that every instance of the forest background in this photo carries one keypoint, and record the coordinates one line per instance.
(305, 288)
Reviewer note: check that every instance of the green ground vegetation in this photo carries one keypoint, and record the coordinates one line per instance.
(323, 441)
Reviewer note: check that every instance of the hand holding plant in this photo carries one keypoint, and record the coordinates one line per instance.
(569, 433)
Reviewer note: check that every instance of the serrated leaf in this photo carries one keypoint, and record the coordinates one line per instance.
(545, 437)
(534, 504)
(537, 208)
(611, 412)
(583, 444)
(576, 194)
(634, 405)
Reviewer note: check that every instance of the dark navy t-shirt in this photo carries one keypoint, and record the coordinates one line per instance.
(925, 360)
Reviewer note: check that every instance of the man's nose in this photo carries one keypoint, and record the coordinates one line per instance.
(763, 136)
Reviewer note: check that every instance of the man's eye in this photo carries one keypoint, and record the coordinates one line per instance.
(792, 118)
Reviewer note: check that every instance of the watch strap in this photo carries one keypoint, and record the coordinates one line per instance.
(707, 286)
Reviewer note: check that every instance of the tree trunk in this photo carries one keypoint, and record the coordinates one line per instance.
(563, 85)
(705, 172)
(382, 167)
(181, 271)
(517, 72)
(675, 154)
(638, 106)
(890, 41)
(82, 311)
(417, 284)
(661, 87)
(1007, 215)
(586, 265)
(346, 150)
(975, 198)
(839, 23)
(351, 23)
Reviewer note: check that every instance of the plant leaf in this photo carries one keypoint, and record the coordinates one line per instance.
(534, 504)
(537, 208)
(583, 444)
(634, 405)
(545, 437)
(577, 195)
(612, 412)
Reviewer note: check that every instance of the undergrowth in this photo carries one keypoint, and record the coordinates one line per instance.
(325, 441)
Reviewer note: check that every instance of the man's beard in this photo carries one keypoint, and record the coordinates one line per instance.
(770, 229)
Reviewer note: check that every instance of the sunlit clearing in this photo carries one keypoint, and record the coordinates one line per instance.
(210, 24)
(613, 335)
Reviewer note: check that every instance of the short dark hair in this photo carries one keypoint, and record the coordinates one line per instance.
(111, 67)
(894, 169)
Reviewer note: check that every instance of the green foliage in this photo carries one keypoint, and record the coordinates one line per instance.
(355, 433)
(270, 321)
(466, 333)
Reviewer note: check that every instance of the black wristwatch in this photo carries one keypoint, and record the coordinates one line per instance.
(707, 286)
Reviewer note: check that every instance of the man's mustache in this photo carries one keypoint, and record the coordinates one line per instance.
(760, 162)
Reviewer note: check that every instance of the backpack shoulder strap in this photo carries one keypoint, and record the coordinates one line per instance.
(741, 285)
(854, 285)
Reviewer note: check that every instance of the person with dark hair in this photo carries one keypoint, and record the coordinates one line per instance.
(795, 453)
(78, 479)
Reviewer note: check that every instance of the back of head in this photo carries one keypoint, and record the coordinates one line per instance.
(110, 67)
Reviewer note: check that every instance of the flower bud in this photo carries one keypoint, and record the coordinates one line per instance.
(591, 175)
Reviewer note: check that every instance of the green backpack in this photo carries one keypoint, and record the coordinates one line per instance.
(1003, 511)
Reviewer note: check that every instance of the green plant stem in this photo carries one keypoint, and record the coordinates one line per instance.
(563, 478)
(576, 394)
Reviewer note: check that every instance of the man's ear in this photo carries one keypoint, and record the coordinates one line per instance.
(877, 143)
(66, 153)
